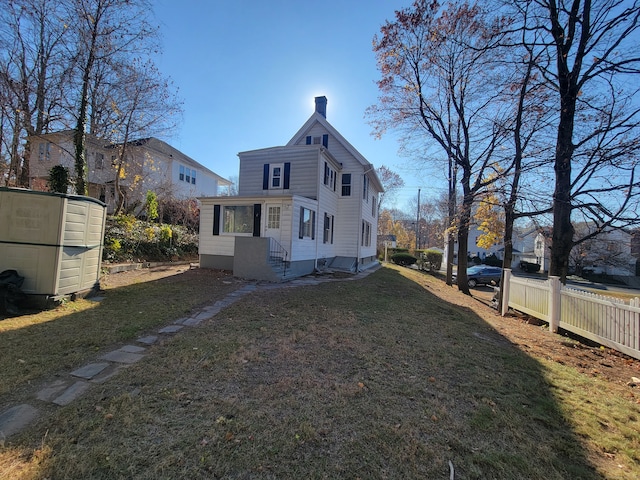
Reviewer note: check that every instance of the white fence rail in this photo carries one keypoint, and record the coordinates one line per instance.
(606, 320)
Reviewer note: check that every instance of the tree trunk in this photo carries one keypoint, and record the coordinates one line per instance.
(463, 234)
(451, 216)
(562, 236)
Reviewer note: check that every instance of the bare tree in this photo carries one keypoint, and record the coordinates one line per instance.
(106, 31)
(141, 103)
(391, 182)
(589, 58)
(33, 72)
(436, 66)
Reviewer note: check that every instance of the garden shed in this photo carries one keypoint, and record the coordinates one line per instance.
(52, 240)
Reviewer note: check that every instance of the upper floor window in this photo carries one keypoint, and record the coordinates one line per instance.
(187, 175)
(44, 151)
(99, 161)
(365, 188)
(276, 176)
(374, 211)
(317, 140)
(346, 184)
(329, 177)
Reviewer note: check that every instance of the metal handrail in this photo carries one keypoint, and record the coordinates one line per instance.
(277, 251)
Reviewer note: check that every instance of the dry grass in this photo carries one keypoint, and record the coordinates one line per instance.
(370, 379)
(84, 328)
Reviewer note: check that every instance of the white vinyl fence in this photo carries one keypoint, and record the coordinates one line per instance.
(606, 320)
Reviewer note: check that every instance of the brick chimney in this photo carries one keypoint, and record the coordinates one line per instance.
(321, 106)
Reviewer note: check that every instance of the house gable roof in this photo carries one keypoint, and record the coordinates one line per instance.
(164, 147)
(319, 118)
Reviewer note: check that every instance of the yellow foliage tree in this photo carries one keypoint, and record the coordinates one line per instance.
(490, 219)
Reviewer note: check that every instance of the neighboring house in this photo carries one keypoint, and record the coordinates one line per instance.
(309, 205)
(523, 244)
(150, 164)
(386, 241)
(610, 253)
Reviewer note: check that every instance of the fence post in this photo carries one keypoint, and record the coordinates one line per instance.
(554, 303)
(504, 291)
(635, 323)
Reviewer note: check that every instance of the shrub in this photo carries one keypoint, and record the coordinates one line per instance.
(430, 260)
(530, 267)
(130, 240)
(474, 260)
(59, 179)
(151, 206)
(493, 261)
(403, 259)
(185, 213)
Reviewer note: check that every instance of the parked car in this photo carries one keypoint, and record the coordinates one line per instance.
(483, 275)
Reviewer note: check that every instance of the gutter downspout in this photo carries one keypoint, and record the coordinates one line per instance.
(318, 163)
(358, 236)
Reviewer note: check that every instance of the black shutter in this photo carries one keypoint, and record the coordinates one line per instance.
(216, 219)
(332, 229)
(301, 229)
(325, 140)
(287, 174)
(309, 140)
(313, 225)
(265, 177)
(257, 211)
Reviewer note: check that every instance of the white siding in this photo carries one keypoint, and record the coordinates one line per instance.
(303, 176)
(305, 248)
(209, 243)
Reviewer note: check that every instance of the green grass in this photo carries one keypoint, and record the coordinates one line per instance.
(376, 378)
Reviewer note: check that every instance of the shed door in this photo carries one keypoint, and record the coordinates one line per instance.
(273, 220)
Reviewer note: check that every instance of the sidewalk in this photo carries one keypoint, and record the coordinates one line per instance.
(70, 386)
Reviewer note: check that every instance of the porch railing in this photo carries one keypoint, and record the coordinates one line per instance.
(278, 256)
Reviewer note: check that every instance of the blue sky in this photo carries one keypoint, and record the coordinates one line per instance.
(248, 72)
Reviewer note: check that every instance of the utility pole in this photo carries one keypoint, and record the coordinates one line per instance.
(418, 223)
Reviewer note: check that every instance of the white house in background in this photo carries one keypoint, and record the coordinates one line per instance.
(525, 243)
(311, 204)
(609, 253)
(150, 164)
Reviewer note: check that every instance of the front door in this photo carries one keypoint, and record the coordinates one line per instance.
(272, 224)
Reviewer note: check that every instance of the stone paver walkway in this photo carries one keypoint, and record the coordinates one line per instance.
(65, 390)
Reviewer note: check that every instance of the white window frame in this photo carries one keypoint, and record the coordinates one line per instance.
(346, 187)
(273, 169)
(233, 224)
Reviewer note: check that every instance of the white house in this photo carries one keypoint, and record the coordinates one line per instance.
(149, 164)
(311, 204)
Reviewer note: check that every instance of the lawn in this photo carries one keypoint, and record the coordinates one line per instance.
(375, 378)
